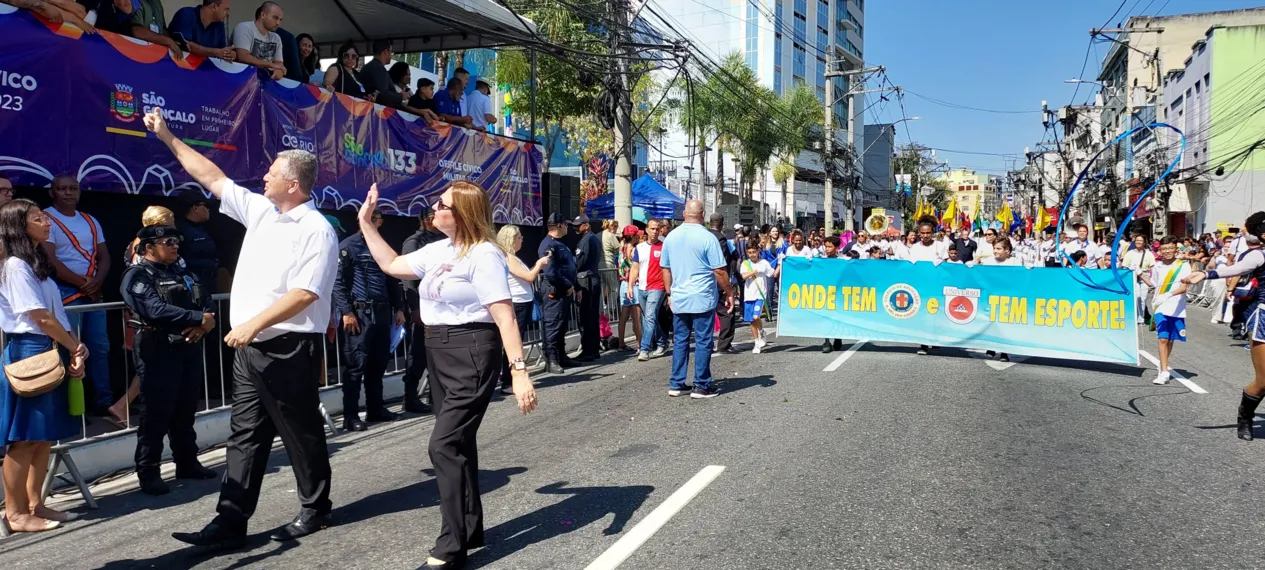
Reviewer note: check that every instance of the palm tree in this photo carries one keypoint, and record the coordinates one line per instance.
(802, 111)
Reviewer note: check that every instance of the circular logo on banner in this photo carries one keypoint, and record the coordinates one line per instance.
(961, 310)
(901, 301)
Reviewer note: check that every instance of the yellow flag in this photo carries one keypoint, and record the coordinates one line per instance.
(1043, 219)
(950, 216)
(1006, 217)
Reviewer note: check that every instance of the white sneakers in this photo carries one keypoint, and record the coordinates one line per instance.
(1162, 378)
(759, 344)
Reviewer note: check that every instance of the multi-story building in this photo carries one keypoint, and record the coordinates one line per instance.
(1216, 99)
(786, 43)
(968, 186)
(878, 182)
(1132, 79)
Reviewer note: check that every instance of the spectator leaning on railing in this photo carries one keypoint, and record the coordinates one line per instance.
(203, 30)
(56, 11)
(376, 80)
(401, 77)
(149, 23)
(257, 42)
(310, 59)
(424, 97)
(479, 105)
(342, 77)
(449, 106)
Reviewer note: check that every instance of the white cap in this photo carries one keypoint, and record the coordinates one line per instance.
(737, 226)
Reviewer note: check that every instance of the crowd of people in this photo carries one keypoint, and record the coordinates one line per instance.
(204, 30)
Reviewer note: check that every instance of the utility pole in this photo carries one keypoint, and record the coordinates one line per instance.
(620, 13)
(828, 158)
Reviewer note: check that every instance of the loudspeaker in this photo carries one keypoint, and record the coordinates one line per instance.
(573, 197)
(553, 189)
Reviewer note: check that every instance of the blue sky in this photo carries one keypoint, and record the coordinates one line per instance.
(1005, 55)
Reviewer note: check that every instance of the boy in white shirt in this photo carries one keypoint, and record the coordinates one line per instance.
(755, 275)
(1169, 303)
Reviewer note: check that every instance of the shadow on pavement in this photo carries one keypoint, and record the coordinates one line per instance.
(730, 385)
(419, 495)
(583, 507)
(193, 555)
(1168, 390)
(568, 378)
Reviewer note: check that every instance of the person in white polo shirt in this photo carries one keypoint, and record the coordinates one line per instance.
(280, 311)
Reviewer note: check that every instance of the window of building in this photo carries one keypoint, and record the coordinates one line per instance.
(798, 57)
(801, 27)
(801, 6)
(823, 15)
(823, 39)
(777, 80)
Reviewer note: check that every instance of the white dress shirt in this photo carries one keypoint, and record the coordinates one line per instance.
(21, 292)
(281, 252)
(479, 107)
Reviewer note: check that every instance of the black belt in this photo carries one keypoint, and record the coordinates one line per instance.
(444, 331)
(361, 305)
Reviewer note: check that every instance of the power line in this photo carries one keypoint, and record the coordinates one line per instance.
(969, 108)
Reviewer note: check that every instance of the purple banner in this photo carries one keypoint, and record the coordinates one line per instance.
(72, 103)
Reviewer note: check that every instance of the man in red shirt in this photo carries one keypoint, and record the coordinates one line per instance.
(646, 274)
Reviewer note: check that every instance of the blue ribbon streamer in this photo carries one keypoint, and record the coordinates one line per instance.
(1118, 273)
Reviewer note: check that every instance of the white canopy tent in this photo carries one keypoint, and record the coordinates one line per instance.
(411, 25)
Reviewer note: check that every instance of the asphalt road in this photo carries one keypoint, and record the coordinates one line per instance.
(891, 461)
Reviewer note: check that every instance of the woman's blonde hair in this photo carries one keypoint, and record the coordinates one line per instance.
(472, 214)
(506, 237)
(157, 216)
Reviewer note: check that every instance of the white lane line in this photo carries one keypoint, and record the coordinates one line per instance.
(992, 361)
(633, 539)
(845, 356)
(1193, 387)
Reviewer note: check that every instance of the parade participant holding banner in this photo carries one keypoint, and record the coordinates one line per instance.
(1251, 266)
(831, 251)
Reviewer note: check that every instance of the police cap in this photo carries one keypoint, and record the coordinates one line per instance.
(151, 233)
(555, 219)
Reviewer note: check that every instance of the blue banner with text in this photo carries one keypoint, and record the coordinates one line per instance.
(1048, 312)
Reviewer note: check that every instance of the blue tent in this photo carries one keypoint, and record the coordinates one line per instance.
(650, 199)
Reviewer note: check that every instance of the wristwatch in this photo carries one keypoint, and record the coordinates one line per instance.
(518, 365)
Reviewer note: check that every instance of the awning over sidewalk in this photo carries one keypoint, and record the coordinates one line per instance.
(411, 25)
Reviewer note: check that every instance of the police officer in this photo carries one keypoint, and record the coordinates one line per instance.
(415, 360)
(558, 290)
(370, 303)
(588, 257)
(197, 248)
(171, 312)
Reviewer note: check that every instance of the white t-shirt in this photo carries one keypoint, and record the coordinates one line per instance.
(1012, 260)
(983, 250)
(264, 47)
(900, 250)
(281, 252)
(457, 290)
(1091, 249)
(920, 252)
(1168, 304)
(862, 249)
(791, 252)
(67, 253)
(520, 289)
(478, 106)
(21, 293)
(756, 288)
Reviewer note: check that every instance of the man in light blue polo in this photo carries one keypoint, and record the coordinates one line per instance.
(693, 266)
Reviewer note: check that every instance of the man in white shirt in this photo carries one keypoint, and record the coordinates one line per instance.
(927, 248)
(479, 105)
(76, 246)
(280, 312)
(257, 42)
(1082, 243)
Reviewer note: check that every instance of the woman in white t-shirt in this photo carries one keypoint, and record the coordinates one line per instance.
(34, 322)
(1139, 260)
(522, 290)
(466, 304)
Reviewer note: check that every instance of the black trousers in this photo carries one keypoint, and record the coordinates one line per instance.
(522, 312)
(414, 361)
(275, 392)
(171, 383)
(464, 370)
(555, 313)
(590, 317)
(728, 320)
(367, 355)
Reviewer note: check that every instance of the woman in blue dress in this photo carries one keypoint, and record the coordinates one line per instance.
(33, 321)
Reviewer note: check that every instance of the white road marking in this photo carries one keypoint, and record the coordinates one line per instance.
(633, 539)
(992, 361)
(845, 356)
(1193, 387)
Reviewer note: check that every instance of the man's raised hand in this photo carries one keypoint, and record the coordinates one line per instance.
(156, 124)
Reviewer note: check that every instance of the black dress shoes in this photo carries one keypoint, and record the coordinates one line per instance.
(353, 423)
(214, 536)
(382, 415)
(303, 525)
(195, 471)
(416, 407)
(454, 564)
(152, 483)
(588, 357)
(569, 362)
(554, 367)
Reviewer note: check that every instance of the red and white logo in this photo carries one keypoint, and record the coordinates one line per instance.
(961, 305)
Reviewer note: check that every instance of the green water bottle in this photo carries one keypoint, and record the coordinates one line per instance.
(75, 389)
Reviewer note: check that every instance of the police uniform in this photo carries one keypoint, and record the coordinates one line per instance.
(560, 280)
(415, 359)
(166, 300)
(363, 291)
(588, 257)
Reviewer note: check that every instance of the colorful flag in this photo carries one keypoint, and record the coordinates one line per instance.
(1006, 217)
(1043, 220)
(950, 214)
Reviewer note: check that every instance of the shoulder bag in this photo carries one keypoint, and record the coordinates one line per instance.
(36, 375)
